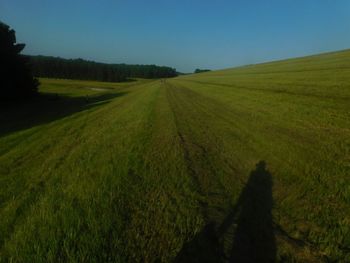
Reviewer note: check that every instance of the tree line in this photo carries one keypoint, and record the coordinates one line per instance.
(55, 67)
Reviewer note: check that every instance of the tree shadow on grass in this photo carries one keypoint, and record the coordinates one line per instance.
(45, 108)
(253, 239)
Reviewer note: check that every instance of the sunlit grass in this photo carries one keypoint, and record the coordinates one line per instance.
(136, 171)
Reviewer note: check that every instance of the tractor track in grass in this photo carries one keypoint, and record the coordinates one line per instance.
(198, 165)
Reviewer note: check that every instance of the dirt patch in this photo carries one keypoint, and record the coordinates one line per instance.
(96, 89)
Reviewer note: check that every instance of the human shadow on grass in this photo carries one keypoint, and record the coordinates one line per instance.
(45, 108)
(250, 220)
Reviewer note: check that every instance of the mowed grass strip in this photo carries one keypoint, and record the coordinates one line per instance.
(79, 188)
(298, 123)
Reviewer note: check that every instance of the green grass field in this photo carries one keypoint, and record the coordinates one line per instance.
(252, 162)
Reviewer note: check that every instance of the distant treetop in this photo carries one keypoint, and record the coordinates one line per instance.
(201, 70)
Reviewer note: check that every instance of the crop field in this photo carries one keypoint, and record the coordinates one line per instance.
(251, 163)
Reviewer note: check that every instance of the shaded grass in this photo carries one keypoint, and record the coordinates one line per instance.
(47, 108)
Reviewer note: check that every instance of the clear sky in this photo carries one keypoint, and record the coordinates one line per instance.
(185, 34)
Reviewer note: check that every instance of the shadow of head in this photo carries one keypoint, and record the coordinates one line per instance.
(260, 166)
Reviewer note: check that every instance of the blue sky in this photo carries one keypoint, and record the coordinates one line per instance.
(182, 34)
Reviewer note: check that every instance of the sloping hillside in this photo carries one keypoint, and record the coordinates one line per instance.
(247, 163)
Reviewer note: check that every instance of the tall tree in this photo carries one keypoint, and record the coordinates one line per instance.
(16, 80)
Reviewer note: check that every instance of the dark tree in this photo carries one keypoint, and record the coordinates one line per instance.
(15, 73)
(201, 70)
